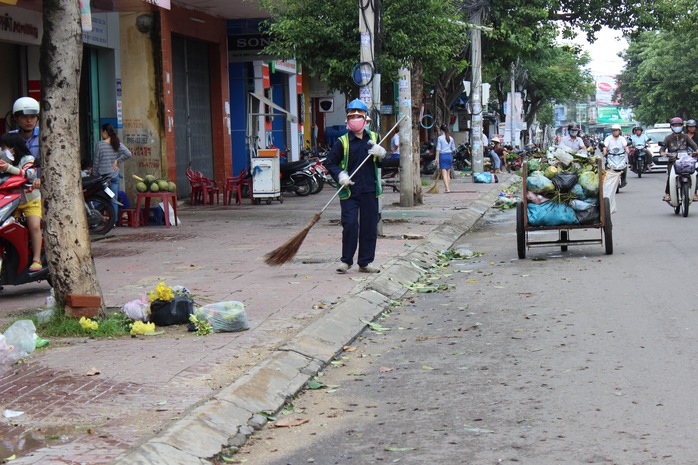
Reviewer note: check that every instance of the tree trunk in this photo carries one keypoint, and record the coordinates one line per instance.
(417, 96)
(66, 235)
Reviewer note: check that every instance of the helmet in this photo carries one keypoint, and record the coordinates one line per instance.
(616, 127)
(573, 129)
(25, 106)
(676, 125)
(690, 122)
(357, 105)
(635, 128)
(676, 120)
(495, 140)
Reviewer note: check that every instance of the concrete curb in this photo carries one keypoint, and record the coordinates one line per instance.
(230, 416)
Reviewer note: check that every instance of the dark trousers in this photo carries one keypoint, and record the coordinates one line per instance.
(360, 225)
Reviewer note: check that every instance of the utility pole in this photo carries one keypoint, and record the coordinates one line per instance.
(511, 105)
(476, 93)
(405, 108)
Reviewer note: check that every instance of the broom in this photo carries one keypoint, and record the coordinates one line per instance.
(435, 188)
(288, 250)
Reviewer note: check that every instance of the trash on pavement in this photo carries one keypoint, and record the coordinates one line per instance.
(224, 316)
(137, 310)
(21, 335)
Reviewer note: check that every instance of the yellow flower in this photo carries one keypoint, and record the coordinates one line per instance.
(138, 327)
(87, 323)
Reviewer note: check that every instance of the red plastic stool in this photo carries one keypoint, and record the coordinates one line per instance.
(129, 217)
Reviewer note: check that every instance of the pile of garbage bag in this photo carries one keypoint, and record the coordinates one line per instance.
(562, 188)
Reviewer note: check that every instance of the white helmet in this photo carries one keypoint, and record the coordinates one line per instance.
(616, 126)
(25, 106)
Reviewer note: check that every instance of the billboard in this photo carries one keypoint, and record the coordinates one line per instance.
(605, 87)
(614, 115)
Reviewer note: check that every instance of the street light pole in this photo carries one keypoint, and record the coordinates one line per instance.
(476, 93)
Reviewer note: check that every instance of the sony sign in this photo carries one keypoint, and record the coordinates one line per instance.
(248, 42)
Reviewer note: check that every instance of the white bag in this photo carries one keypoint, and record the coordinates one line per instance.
(610, 186)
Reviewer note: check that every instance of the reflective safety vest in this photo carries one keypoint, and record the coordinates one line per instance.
(346, 192)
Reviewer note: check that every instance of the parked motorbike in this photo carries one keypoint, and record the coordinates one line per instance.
(682, 178)
(639, 157)
(427, 158)
(462, 159)
(296, 178)
(101, 216)
(15, 247)
(390, 173)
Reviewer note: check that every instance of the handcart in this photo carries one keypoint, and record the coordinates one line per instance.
(523, 228)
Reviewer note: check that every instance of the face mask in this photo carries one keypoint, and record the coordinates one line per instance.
(9, 154)
(573, 133)
(677, 129)
(356, 125)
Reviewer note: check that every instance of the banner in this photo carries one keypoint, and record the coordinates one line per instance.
(614, 115)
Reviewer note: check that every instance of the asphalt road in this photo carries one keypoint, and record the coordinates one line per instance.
(562, 358)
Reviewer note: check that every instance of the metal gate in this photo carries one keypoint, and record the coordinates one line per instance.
(192, 110)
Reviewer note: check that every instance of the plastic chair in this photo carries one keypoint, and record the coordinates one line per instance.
(210, 188)
(197, 188)
(234, 185)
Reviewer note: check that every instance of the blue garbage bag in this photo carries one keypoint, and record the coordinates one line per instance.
(550, 214)
(484, 177)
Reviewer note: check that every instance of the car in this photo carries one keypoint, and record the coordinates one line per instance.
(655, 136)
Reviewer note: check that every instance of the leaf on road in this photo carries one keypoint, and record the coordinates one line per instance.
(291, 421)
(471, 281)
(427, 367)
(375, 326)
(399, 449)
(349, 348)
(386, 369)
(462, 271)
(471, 429)
(358, 279)
(315, 384)
(426, 338)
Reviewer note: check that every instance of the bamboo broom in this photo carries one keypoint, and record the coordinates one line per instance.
(435, 188)
(289, 249)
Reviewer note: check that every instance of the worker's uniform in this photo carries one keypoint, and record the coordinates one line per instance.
(359, 201)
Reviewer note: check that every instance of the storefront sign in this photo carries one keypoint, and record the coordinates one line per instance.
(284, 66)
(99, 35)
(615, 115)
(20, 26)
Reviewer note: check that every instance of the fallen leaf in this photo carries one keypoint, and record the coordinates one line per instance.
(315, 384)
(426, 338)
(471, 281)
(93, 372)
(349, 348)
(291, 421)
(399, 449)
(471, 429)
(386, 369)
(427, 367)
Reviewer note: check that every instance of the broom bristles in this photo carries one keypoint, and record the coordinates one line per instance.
(435, 188)
(288, 250)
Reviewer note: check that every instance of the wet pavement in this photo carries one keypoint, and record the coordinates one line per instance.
(94, 401)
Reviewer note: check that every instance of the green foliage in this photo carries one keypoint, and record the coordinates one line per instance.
(324, 37)
(659, 78)
(117, 324)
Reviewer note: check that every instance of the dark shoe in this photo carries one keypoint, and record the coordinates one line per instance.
(623, 184)
(369, 269)
(343, 267)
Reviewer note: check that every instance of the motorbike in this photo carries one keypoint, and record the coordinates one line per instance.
(639, 156)
(616, 161)
(462, 158)
(390, 173)
(15, 246)
(682, 178)
(427, 158)
(296, 177)
(101, 216)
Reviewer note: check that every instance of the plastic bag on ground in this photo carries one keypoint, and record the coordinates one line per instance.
(21, 336)
(137, 310)
(224, 316)
(171, 312)
(484, 177)
(610, 186)
(8, 354)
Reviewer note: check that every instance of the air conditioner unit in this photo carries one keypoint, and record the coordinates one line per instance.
(326, 104)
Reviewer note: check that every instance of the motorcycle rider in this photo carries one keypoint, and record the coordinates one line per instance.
(359, 196)
(638, 138)
(25, 111)
(615, 140)
(691, 130)
(572, 140)
(674, 142)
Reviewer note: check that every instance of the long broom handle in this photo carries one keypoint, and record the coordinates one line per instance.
(362, 163)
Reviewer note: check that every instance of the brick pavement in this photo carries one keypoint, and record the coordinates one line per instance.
(146, 383)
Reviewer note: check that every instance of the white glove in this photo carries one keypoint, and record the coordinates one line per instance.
(377, 151)
(344, 179)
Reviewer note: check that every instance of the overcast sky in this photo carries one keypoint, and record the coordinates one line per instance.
(604, 52)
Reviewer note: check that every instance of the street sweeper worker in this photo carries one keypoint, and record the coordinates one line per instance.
(358, 195)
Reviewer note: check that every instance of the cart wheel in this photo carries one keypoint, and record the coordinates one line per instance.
(520, 233)
(607, 227)
(281, 200)
(257, 201)
(268, 201)
(564, 237)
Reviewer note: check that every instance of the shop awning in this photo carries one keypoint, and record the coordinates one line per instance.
(292, 118)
